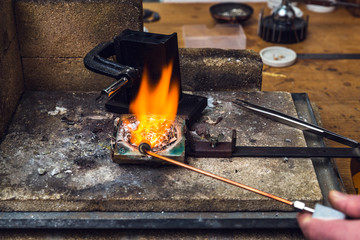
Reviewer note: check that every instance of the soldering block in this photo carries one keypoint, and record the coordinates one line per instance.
(62, 161)
(123, 152)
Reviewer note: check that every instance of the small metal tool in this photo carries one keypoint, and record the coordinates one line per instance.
(299, 124)
(113, 88)
(320, 211)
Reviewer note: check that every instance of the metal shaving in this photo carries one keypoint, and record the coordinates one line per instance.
(234, 12)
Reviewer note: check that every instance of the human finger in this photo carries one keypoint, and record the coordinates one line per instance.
(348, 204)
(328, 229)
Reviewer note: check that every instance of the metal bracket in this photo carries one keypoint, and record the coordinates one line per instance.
(213, 148)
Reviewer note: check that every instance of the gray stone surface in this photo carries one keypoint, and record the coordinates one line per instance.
(206, 69)
(68, 132)
(10, 66)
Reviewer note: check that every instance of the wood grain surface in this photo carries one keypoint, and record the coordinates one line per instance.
(332, 85)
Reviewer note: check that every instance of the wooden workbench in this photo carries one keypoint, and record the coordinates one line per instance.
(332, 85)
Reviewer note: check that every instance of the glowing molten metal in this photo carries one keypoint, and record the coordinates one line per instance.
(155, 108)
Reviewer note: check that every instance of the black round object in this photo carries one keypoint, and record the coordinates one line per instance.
(282, 32)
(150, 16)
(144, 147)
(231, 12)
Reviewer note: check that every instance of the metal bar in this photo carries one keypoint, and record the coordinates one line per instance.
(147, 220)
(328, 56)
(329, 3)
(296, 152)
(345, 4)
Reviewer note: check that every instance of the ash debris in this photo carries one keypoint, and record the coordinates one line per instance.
(55, 137)
(219, 119)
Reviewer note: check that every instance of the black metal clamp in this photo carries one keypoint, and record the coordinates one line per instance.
(97, 61)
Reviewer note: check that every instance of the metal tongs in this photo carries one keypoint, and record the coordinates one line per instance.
(297, 123)
(353, 152)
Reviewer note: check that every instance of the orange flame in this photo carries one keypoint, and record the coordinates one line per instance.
(155, 108)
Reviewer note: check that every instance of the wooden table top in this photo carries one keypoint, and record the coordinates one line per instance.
(332, 85)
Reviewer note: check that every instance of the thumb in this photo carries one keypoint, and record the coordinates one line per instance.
(348, 204)
(328, 229)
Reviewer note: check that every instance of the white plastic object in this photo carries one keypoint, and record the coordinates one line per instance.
(320, 9)
(278, 56)
(324, 212)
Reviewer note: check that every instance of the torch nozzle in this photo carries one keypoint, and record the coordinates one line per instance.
(144, 147)
(301, 206)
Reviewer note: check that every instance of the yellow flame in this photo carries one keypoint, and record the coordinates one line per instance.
(155, 108)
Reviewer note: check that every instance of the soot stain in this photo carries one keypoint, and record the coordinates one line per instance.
(84, 163)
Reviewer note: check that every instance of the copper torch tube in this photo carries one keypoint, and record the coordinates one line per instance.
(145, 150)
